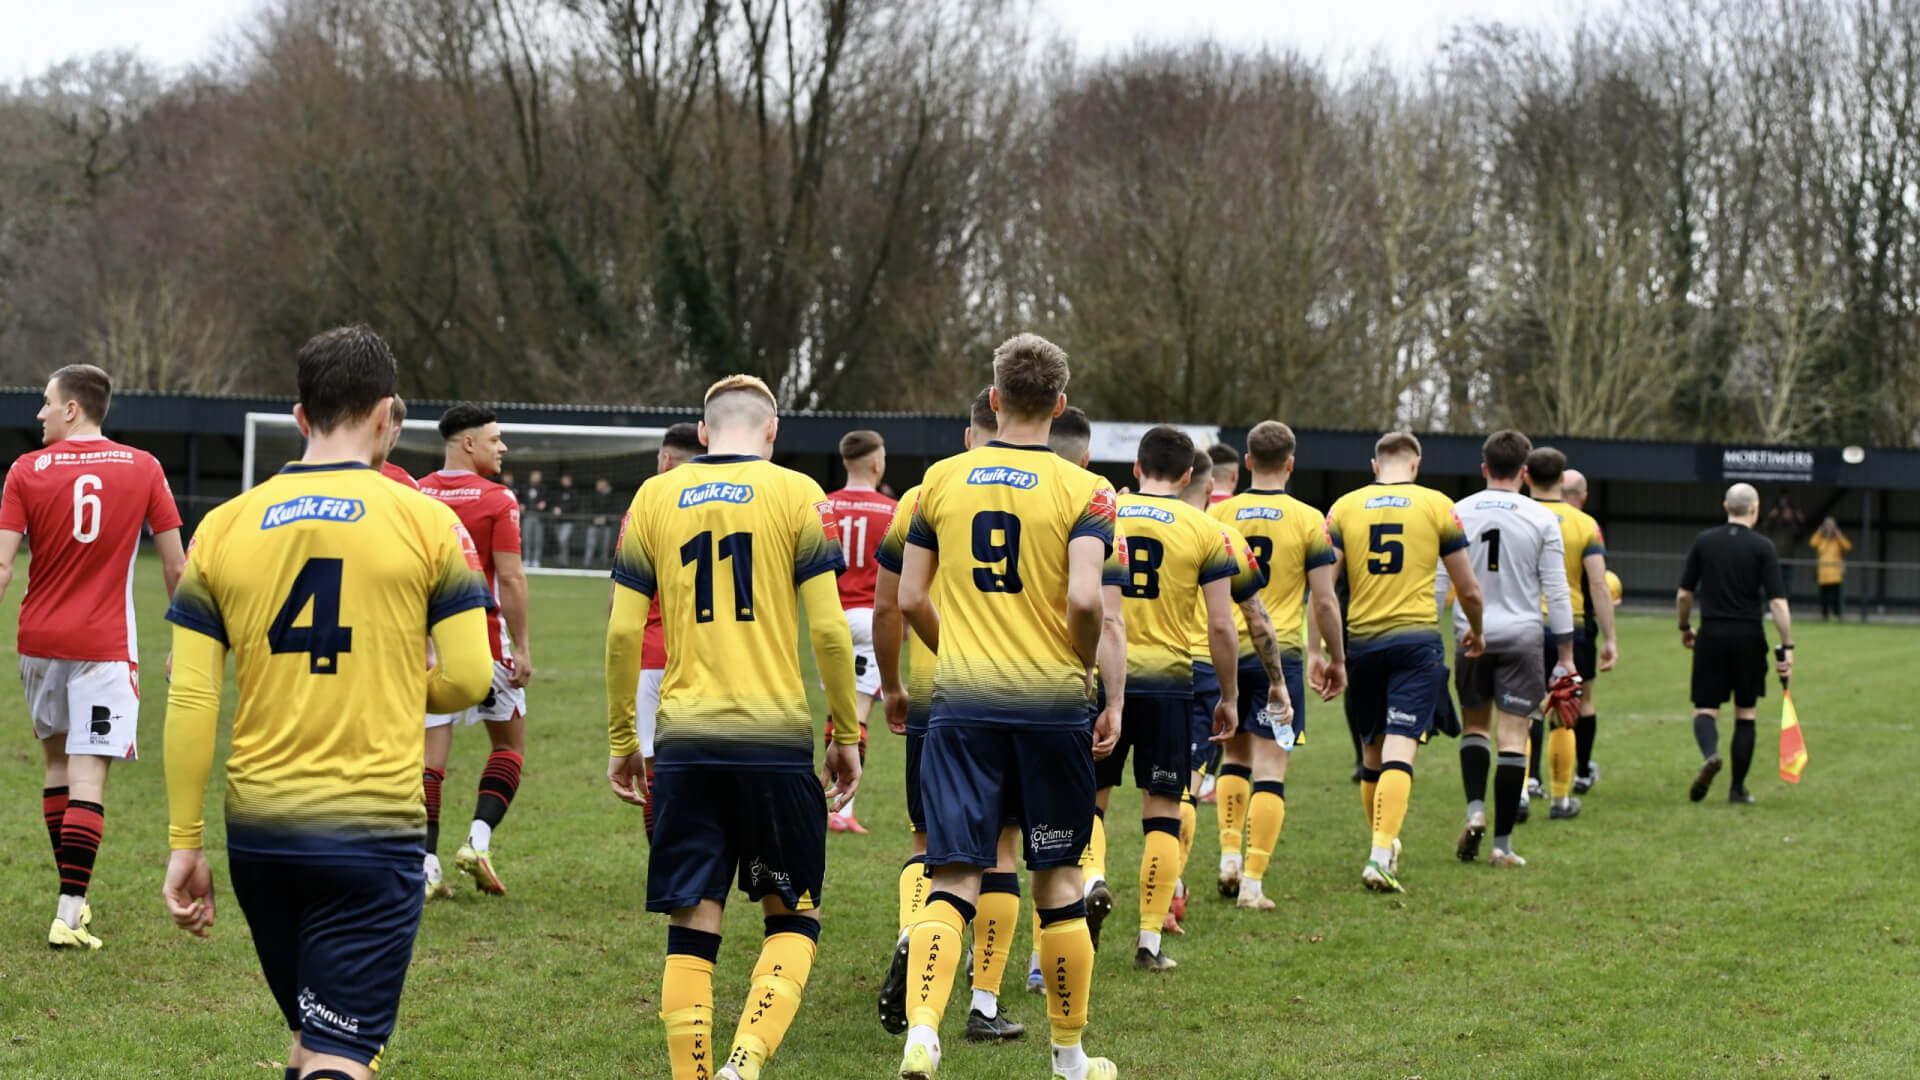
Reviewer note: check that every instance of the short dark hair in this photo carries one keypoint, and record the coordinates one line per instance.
(399, 410)
(982, 415)
(1031, 374)
(683, 438)
(855, 445)
(1073, 424)
(1203, 466)
(1270, 444)
(1166, 453)
(1395, 443)
(1546, 466)
(1505, 454)
(90, 386)
(464, 417)
(1220, 454)
(343, 375)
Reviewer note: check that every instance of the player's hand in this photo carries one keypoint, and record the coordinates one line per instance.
(522, 671)
(894, 704)
(1609, 654)
(1106, 731)
(189, 892)
(1472, 643)
(1563, 698)
(1334, 681)
(1784, 668)
(628, 778)
(1226, 721)
(1316, 672)
(1279, 705)
(1687, 638)
(843, 765)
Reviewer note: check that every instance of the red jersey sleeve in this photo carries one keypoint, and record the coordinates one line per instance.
(506, 522)
(162, 514)
(13, 506)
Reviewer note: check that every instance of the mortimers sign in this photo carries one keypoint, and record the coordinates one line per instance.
(1766, 463)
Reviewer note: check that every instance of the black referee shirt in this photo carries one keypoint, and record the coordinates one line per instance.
(1732, 572)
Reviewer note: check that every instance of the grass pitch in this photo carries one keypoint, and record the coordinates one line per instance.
(1650, 937)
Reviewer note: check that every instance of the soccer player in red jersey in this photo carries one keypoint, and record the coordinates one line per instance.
(491, 515)
(679, 445)
(387, 468)
(863, 514)
(83, 499)
(1226, 472)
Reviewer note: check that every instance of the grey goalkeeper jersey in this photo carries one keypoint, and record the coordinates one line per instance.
(1519, 559)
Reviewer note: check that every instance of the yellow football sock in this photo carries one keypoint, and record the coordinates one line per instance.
(1066, 959)
(993, 926)
(1093, 861)
(1159, 865)
(1035, 945)
(779, 978)
(1231, 793)
(1189, 830)
(1390, 803)
(1560, 747)
(934, 949)
(1368, 789)
(1265, 817)
(914, 884)
(686, 1005)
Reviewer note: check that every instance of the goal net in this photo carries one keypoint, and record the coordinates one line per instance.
(574, 481)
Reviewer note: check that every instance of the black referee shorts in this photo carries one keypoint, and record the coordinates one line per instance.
(1729, 661)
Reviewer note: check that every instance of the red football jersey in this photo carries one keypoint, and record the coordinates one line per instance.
(653, 646)
(1219, 496)
(863, 515)
(492, 517)
(398, 475)
(81, 504)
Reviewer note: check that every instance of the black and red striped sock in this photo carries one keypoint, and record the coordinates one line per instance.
(80, 831)
(498, 782)
(431, 781)
(53, 807)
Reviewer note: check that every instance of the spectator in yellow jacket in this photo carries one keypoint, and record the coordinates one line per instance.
(1831, 545)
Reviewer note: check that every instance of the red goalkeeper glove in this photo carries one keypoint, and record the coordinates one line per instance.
(1563, 698)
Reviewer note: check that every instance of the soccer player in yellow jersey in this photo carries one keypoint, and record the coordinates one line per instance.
(1179, 563)
(1015, 538)
(1289, 539)
(1570, 752)
(1389, 538)
(325, 582)
(907, 707)
(731, 546)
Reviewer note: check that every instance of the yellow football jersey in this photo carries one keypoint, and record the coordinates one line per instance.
(920, 659)
(1289, 538)
(1172, 550)
(722, 544)
(1392, 537)
(1246, 585)
(323, 582)
(1000, 518)
(1583, 538)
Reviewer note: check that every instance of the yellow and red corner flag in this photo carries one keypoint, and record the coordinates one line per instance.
(1793, 745)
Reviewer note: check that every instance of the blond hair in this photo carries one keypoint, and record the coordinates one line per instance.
(739, 398)
(1397, 444)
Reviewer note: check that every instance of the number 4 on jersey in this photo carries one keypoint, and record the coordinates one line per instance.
(323, 639)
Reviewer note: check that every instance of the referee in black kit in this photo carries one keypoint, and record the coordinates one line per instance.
(1736, 574)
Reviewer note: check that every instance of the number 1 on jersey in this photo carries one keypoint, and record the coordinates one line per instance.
(323, 639)
(1491, 538)
(737, 549)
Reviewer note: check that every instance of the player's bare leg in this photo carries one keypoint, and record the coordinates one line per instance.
(1266, 816)
(995, 920)
(1233, 792)
(779, 981)
(439, 745)
(81, 823)
(498, 784)
(843, 820)
(1509, 780)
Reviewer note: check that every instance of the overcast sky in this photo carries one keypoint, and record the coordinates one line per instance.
(173, 33)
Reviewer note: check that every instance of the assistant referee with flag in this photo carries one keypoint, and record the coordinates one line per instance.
(1736, 574)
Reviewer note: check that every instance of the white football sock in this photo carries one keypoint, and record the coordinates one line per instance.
(433, 868)
(986, 1003)
(479, 835)
(1150, 941)
(1069, 1062)
(1250, 889)
(1381, 855)
(921, 1035)
(70, 909)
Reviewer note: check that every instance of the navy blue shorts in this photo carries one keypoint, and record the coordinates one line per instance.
(1156, 732)
(1253, 696)
(1206, 695)
(977, 779)
(765, 828)
(916, 809)
(334, 940)
(1394, 686)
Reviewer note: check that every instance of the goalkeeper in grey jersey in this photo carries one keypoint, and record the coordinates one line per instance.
(1518, 558)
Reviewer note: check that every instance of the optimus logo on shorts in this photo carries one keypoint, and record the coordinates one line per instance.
(1003, 476)
(1048, 838)
(715, 491)
(313, 508)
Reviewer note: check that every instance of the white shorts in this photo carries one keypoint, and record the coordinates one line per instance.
(646, 708)
(503, 702)
(866, 668)
(103, 694)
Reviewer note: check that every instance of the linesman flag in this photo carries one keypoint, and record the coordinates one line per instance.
(1793, 745)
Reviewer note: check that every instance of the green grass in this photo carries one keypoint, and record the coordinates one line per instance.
(1650, 937)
